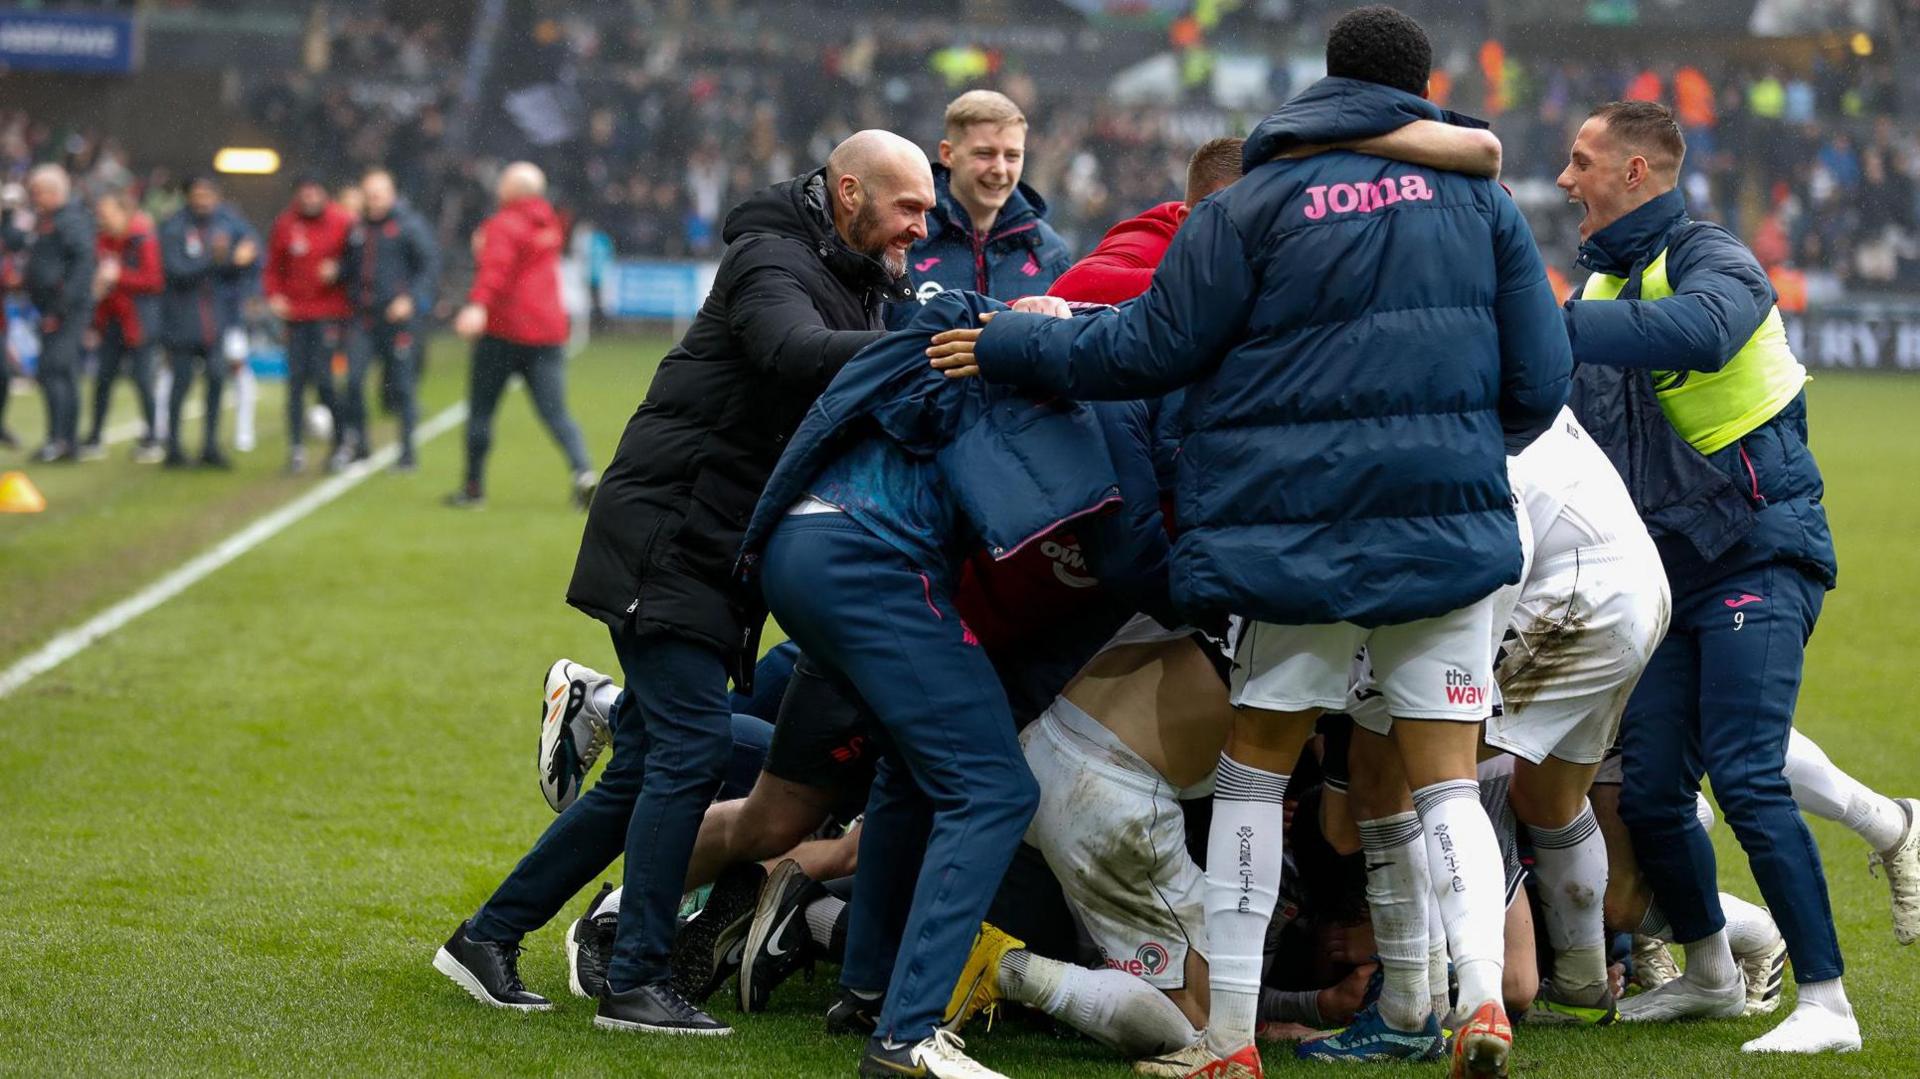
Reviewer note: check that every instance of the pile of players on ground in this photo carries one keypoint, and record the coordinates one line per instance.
(1483, 645)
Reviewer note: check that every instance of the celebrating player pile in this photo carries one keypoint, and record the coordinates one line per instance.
(1262, 577)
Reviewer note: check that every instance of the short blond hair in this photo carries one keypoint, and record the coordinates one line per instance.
(981, 107)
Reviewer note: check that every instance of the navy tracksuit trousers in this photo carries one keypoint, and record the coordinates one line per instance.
(1718, 700)
(952, 796)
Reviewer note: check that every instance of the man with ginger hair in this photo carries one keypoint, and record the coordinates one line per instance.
(988, 231)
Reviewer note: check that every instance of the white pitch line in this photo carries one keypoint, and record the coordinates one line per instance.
(73, 641)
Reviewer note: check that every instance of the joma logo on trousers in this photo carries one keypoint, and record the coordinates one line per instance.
(1365, 197)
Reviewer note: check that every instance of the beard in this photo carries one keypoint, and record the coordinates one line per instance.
(871, 241)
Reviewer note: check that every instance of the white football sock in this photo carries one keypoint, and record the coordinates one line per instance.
(1750, 928)
(1439, 983)
(1112, 1007)
(162, 394)
(1397, 891)
(1571, 865)
(1464, 860)
(1710, 961)
(1244, 854)
(611, 904)
(1822, 1022)
(245, 392)
(1825, 791)
(821, 914)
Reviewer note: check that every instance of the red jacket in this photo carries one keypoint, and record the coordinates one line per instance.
(518, 278)
(296, 247)
(1122, 266)
(141, 275)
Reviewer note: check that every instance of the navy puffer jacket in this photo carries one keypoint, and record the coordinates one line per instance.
(1020, 256)
(1365, 341)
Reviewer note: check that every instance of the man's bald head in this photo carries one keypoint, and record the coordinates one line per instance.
(48, 186)
(520, 180)
(881, 187)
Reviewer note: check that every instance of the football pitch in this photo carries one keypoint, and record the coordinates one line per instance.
(233, 832)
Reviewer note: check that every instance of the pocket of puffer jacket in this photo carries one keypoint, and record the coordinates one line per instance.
(708, 539)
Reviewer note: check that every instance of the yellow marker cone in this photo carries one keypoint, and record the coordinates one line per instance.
(19, 495)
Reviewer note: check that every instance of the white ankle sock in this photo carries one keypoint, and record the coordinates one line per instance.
(1828, 996)
(1571, 865)
(821, 914)
(603, 697)
(1749, 927)
(1825, 791)
(1710, 961)
(1112, 1007)
(611, 904)
(1397, 895)
(245, 393)
(1244, 853)
(1464, 860)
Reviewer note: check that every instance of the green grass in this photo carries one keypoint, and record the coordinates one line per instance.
(233, 833)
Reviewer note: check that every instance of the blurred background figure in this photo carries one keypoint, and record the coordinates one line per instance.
(207, 251)
(518, 324)
(305, 293)
(393, 268)
(59, 283)
(126, 317)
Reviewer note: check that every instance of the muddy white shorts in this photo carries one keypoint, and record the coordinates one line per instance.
(1112, 831)
(1436, 668)
(1586, 625)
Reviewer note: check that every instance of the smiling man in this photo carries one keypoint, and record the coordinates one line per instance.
(809, 263)
(1687, 380)
(988, 231)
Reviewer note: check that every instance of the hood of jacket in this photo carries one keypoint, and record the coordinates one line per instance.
(797, 209)
(1340, 110)
(1023, 207)
(1635, 238)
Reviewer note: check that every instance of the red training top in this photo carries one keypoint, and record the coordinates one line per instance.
(518, 278)
(296, 247)
(1121, 266)
(141, 274)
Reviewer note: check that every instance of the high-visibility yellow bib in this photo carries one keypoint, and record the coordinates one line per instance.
(1714, 409)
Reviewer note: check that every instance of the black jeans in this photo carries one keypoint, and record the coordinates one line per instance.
(672, 738)
(310, 348)
(115, 358)
(185, 359)
(59, 376)
(544, 369)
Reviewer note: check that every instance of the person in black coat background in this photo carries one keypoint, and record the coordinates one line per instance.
(809, 264)
(59, 282)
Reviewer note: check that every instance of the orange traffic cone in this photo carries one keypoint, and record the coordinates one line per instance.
(19, 495)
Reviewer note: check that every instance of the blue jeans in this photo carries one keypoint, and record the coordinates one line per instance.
(672, 737)
(952, 795)
(1718, 700)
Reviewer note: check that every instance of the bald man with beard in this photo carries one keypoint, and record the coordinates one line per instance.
(809, 264)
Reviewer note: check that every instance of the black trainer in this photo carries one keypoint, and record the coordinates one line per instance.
(851, 1013)
(656, 1009)
(590, 947)
(215, 459)
(466, 498)
(489, 972)
(708, 947)
(778, 943)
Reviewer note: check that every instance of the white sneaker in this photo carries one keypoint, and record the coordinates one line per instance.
(1682, 998)
(1766, 974)
(1653, 964)
(1810, 1029)
(1902, 863)
(940, 1056)
(573, 730)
